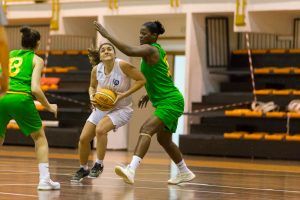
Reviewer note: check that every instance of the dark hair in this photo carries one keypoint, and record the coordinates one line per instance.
(94, 53)
(30, 37)
(155, 27)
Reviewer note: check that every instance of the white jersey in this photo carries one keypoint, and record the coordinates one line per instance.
(116, 81)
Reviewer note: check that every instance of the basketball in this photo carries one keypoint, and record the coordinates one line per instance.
(105, 99)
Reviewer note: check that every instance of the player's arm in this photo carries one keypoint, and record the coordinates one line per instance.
(93, 83)
(3, 60)
(137, 51)
(134, 74)
(36, 90)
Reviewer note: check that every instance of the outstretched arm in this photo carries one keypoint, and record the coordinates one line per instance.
(136, 51)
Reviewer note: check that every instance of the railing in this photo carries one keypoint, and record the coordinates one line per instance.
(264, 41)
(58, 42)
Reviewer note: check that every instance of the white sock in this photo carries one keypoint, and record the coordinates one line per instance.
(85, 167)
(135, 162)
(44, 170)
(182, 167)
(99, 161)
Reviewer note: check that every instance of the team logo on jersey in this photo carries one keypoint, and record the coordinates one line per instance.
(116, 82)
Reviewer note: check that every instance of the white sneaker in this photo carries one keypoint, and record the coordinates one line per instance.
(48, 184)
(182, 177)
(126, 173)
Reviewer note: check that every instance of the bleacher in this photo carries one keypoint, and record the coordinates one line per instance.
(242, 131)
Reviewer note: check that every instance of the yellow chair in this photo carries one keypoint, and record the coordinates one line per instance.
(295, 137)
(254, 136)
(275, 136)
(275, 114)
(234, 135)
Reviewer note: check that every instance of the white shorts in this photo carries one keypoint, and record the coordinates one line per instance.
(119, 116)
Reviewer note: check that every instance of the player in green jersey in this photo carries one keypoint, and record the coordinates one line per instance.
(163, 94)
(24, 81)
(3, 54)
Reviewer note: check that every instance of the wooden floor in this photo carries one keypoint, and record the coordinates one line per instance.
(217, 178)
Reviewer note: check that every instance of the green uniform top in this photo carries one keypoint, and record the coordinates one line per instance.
(20, 64)
(159, 83)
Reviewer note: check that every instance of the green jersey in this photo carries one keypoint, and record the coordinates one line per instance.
(20, 64)
(159, 83)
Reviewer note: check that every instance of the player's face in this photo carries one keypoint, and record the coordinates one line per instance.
(145, 36)
(107, 52)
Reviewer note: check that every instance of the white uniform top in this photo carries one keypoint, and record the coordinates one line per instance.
(116, 80)
(2, 16)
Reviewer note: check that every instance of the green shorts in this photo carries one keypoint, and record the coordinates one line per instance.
(169, 112)
(21, 108)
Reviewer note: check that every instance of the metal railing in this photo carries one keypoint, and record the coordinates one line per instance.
(58, 42)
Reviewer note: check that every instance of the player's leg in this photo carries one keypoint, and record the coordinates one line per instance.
(103, 127)
(41, 149)
(114, 119)
(84, 148)
(164, 138)
(149, 128)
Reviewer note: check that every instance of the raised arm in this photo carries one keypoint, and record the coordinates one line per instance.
(136, 51)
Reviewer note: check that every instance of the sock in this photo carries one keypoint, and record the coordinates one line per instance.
(85, 167)
(182, 167)
(44, 170)
(99, 161)
(135, 162)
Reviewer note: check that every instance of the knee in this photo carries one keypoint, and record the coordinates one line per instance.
(83, 140)
(100, 132)
(1, 141)
(38, 136)
(147, 129)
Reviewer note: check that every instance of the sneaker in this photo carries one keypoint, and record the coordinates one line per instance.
(96, 170)
(182, 177)
(48, 184)
(126, 173)
(80, 174)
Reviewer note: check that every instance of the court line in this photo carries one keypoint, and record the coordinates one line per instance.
(150, 188)
(242, 188)
(15, 194)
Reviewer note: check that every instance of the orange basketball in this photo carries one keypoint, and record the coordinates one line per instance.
(105, 99)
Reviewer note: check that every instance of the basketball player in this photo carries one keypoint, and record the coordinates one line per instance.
(114, 74)
(18, 104)
(163, 94)
(3, 54)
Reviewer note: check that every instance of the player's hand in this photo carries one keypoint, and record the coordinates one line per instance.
(120, 96)
(53, 108)
(101, 29)
(143, 101)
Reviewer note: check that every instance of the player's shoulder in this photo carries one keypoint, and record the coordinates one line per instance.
(38, 59)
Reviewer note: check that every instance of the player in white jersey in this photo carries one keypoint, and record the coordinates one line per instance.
(3, 54)
(115, 74)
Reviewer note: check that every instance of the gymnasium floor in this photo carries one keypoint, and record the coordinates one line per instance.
(217, 178)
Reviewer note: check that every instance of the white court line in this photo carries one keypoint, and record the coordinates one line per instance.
(149, 188)
(242, 188)
(15, 194)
